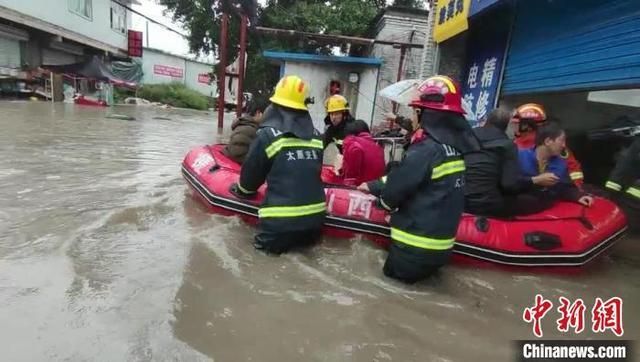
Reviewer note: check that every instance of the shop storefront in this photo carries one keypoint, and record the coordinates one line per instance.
(486, 47)
(473, 51)
(449, 32)
(581, 60)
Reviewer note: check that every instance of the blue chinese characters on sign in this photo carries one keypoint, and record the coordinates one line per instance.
(482, 76)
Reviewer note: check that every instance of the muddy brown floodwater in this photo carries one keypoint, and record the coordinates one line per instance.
(105, 257)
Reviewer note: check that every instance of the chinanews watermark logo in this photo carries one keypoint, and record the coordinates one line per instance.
(604, 317)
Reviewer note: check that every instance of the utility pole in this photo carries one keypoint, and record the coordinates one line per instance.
(243, 48)
(222, 52)
(403, 56)
(403, 53)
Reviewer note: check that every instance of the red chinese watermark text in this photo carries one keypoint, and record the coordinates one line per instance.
(605, 315)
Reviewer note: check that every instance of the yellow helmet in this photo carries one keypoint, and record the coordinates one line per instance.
(337, 103)
(291, 91)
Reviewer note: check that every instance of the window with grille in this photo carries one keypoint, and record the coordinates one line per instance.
(118, 18)
(83, 8)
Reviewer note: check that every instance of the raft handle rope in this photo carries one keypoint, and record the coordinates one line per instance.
(215, 167)
(582, 218)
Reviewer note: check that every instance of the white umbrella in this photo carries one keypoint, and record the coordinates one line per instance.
(405, 91)
(402, 92)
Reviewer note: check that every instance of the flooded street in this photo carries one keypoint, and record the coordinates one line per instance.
(104, 256)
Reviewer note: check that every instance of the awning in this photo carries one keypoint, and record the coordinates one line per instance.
(93, 69)
(479, 6)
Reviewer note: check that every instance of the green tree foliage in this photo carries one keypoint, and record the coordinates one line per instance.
(337, 17)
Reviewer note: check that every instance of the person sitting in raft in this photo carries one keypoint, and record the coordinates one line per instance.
(546, 157)
(338, 117)
(425, 192)
(363, 158)
(527, 119)
(243, 130)
(494, 186)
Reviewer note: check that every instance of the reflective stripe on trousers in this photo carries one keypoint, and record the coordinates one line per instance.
(613, 186)
(421, 242)
(634, 192)
(292, 211)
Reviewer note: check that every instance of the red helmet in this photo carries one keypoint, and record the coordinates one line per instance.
(531, 112)
(528, 117)
(440, 93)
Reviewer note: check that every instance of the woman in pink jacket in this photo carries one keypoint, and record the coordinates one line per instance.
(363, 159)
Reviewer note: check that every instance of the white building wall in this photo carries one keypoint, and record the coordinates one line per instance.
(318, 75)
(367, 96)
(162, 68)
(159, 67)
(57, 12)
(404, 27)
(196, 76)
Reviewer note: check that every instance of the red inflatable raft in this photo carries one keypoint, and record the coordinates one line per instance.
(565, 235)
(84, 101)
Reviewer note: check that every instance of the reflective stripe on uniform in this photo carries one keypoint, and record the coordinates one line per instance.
(576, 175)
(278, 145)
(634, 192)
(447, 168)
(613, 186)
(245, 190)
(292, 211)
(421, 241)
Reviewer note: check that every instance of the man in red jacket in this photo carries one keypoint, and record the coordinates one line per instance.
(528, 118)
(363, 159)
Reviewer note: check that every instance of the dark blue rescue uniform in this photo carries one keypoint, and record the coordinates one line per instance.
(624, 184)
(425, 194)
(294, 207)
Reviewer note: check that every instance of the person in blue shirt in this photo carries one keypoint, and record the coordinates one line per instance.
(545, 159)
